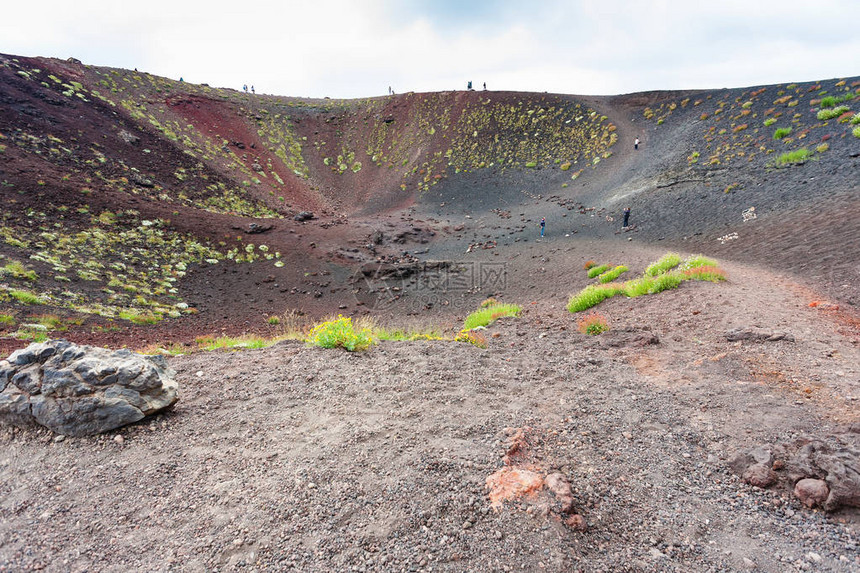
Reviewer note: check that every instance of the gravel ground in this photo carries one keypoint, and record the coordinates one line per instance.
(296, 458)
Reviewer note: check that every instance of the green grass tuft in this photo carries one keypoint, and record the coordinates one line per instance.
(488, 315)
(138, 317)
(694, 261)
(781, 132)
(25, 297)
(613, 274)
(233, 343)
(597, 270)
(652, 284)
(665, 263)
(592, 295)
(17, 270)
(792, 157)
(826, 114)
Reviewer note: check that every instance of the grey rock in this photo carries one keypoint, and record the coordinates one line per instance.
(754, 335)
(128, 137)
(303, 216)
(81, 390)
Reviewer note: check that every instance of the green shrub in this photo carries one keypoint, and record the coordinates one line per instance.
(598, 270)
(610, 276)
(791, 157)
(340, 332)
(489, 314)
(666, 262)
(769, 121)
(7, 319)
(831, 101)
(826, 114)
(472, 337)
(592, 295)
(781, 132)
(856, 119)
(856, 132)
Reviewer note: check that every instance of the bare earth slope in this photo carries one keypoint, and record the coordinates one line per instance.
(152, 212)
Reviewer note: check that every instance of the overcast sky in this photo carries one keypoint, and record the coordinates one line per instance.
(357, 48)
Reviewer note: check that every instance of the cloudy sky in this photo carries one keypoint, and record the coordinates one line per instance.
(357, 48)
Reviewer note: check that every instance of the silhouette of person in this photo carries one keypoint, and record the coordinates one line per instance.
(252, 90)
(485, 86)
(469, 85)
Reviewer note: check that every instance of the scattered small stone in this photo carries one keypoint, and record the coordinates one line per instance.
(576, 522)
(814, 557)
(119, 439)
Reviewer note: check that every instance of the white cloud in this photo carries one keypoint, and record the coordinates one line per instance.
(346, 48)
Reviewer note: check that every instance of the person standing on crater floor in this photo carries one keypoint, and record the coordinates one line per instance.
(626, 221)
(542, 225)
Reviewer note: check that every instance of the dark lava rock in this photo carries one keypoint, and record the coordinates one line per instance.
(82, 390)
